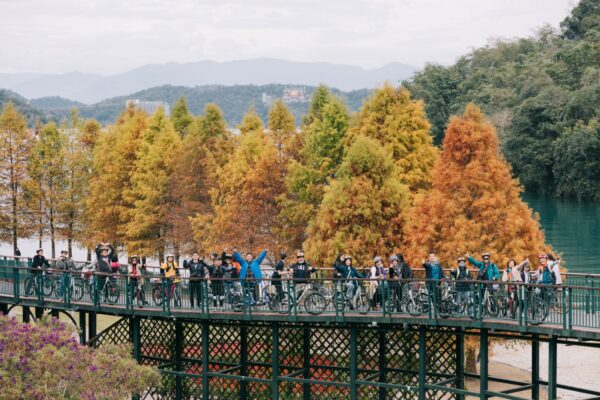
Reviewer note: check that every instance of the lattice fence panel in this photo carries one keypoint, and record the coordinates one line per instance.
(117, 333)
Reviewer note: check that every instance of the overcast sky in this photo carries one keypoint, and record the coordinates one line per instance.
(110, 36)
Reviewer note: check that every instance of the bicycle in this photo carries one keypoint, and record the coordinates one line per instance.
(537, 309)
(556, 300)
(408, 303)
(171, 289)
(490, 306)
(358, 302)
(32, 285)
(110, 291)
(274, 301)
(314, 302)
(447, 304)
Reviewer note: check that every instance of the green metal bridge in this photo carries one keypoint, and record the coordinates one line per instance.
(244, 344)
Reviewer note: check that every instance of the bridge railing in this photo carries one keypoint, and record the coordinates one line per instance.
(564, 306)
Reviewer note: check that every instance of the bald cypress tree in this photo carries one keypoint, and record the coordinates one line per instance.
(399, 124)
(361, 212)
(474, 204)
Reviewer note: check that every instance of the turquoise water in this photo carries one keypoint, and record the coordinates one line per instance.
(572, 228)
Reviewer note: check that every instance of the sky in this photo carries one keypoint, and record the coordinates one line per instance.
(112, 36)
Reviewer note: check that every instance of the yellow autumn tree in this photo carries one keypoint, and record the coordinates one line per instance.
(115, 155)
(361, 212)
(400, 125)
(149, 228)
(244, 202)
(474, 204)
(205, 149)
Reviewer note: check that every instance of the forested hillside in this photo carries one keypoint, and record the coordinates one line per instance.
(542, 93)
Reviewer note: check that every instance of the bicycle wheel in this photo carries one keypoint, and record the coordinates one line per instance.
(315, 303)
(446, 308)
(391, 304)
(491, 307)
(537, 311)
(558, 301)
(362, 304)
(157, 297)
(111, 292)
(78, 291)
(30, 286)
(422, 301)
(49, 286)
(282, 303)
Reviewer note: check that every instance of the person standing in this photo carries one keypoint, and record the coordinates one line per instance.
(301, 271)
(38, 264)
(250, 272)
(63, 265)
(278, 275)
(463, 286)
(198, 274)
(136, 281)
(434, 273)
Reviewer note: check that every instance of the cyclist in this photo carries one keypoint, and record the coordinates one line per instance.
(230, 273)
(395, 274)
(377, 282)
(462, 276)
(250, 272)
(103, 253)
(216, 284)
(198, 273)
(301, 271)
(63, 265)
(278, 274)
(554, 264)
(545, 276)
(350, 274)
(136, 281)
(434, 273)
(487, 271)
(39, 263)
(169, 271)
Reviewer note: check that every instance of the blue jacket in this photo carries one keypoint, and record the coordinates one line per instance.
(433, 271)
(492, 272)
(546, 278)
(254, 265)
(342, 269)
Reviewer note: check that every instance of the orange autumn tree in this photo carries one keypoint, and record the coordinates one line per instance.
(474, 204)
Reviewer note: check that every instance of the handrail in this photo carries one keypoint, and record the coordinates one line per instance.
(565, 274)
(569, 307)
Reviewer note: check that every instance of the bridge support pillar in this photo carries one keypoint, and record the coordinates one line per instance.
(535, 368)
(483, 364)
(552, 360)
(205, 354)
(134, 329)
(243, 361)
(422, 362)
(179, 338)
(39, 313)
(460, 362)
(92, 328)
(353, 362)
(26, 314)
(306, 361)
(275, 362)
(82, 327)
(4, 308)
(54, 313)
(382, 364)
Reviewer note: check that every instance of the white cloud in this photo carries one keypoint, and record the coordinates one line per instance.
(111, 36)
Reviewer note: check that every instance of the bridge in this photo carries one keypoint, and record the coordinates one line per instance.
(248, 343)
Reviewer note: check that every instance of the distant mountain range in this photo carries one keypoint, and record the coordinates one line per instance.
(92, 88)
(233, 100)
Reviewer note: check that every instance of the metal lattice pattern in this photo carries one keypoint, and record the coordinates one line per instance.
(117, 333)
(383, 354)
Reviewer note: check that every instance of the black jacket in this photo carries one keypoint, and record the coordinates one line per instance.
(40, 262)
(302, 271)
(197, 269)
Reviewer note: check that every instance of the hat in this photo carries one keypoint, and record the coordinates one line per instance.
(228, 255)
(394, 258)
(485, 255)
(64, 252)
(376, 259)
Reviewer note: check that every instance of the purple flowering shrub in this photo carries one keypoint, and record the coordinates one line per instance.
(45, 361)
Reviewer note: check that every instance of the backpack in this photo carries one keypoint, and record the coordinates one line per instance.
(482, 274)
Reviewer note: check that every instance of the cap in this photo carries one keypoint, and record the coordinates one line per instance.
(543, 255)
(394, 258)
(485, 255)
(376, 259)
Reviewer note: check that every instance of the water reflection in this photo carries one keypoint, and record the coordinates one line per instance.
(572, 228)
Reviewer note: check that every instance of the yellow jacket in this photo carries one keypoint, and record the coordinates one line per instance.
(170, 271)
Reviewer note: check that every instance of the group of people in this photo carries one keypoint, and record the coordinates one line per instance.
(222, 271)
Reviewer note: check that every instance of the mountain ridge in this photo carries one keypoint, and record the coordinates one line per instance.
(91, 88)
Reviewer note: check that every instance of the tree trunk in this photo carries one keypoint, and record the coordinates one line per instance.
(89, 254)
(52, 238)
(471, 359)
(15, 228)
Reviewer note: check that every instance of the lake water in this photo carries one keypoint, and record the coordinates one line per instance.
(571, 227)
